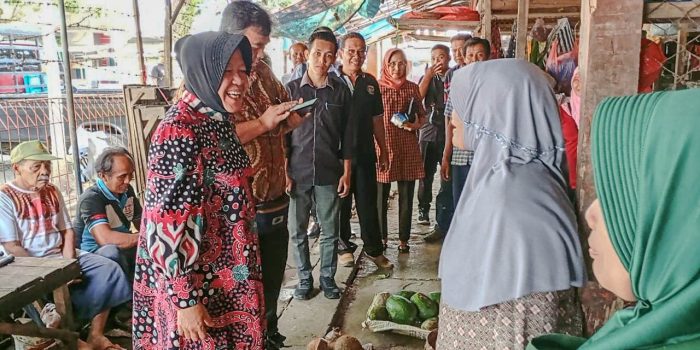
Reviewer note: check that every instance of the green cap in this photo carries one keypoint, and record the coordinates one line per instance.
(32, 150)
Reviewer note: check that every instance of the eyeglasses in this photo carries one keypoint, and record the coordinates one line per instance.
(360, 53)
(397, 64)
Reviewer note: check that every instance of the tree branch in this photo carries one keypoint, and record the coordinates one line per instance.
(176, 10)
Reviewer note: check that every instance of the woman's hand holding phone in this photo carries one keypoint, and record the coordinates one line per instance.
(277, 113)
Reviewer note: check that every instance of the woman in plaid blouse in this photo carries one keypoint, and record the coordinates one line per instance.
(405, 164)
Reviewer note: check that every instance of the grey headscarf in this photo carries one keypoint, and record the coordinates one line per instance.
(203, 59)
(514, 230)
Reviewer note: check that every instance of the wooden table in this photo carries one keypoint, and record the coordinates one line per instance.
(26, 280)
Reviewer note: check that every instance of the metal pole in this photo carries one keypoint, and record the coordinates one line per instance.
(68, 83)
(168, 44)
(139, 41)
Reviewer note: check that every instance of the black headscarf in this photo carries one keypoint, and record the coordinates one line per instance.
(203, 58)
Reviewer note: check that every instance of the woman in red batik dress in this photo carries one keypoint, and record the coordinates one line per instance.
(198, 282)
(405, 161)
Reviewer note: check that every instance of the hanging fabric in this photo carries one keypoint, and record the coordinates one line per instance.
(495, 41)
(565, 34)
(510, 52)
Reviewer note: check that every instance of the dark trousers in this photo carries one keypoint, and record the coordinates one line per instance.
(126, 258)
(274, 243)
(328, 215)
(459, 177)
(444, 208)
(406, 189)
(363, 187)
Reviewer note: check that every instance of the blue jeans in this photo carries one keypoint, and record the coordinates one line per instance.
(327, 214)
(459, 178)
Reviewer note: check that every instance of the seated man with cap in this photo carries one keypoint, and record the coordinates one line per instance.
(34, 222)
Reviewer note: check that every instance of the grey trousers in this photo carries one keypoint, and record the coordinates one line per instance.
(327, 214)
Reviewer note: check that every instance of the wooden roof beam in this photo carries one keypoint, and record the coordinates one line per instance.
(500, 5)
(413, 24)
(535, 15)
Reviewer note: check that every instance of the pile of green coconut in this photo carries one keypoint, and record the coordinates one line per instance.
(406, 307)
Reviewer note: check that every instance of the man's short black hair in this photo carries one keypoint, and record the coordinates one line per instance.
(442, 47)
(461, 36)
(241, 14)
(103, 164)
(325, 36)
(322, 29)
(477, 41)
(352, 35)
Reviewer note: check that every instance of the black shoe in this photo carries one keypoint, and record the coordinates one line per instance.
(434, 236)
(423, 218)
(304, 289)
(330, 289)
(275, 341)
(277, 338)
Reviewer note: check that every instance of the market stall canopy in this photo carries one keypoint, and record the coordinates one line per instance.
(299, 20)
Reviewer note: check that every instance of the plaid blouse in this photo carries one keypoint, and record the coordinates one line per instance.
(405, 161)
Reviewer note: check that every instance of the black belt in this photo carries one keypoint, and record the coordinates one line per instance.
(273, 205)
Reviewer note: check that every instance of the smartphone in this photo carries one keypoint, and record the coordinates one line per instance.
(305, 104)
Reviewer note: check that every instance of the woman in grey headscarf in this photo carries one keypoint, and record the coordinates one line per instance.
(512, 257)
(198, 282)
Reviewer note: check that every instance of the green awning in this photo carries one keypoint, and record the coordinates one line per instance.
(298, 21)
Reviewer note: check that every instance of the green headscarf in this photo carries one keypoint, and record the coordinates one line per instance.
(646, 160)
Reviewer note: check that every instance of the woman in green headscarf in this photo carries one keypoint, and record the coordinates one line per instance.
(646, 222)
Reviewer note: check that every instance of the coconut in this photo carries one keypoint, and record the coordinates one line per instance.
(346, 342)
(318, 344)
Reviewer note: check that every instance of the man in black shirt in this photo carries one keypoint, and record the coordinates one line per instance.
(319, 163)
(432, 140)
(367, 112)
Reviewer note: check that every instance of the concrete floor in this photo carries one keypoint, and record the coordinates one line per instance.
(301, 321)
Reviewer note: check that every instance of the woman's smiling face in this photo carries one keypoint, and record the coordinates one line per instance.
(234, 83)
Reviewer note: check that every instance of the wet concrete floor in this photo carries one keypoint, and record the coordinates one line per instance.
(301, 321)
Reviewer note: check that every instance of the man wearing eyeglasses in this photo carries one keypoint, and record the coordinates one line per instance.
(367, 112)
